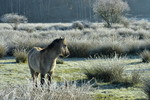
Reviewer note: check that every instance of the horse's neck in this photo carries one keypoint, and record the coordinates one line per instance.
(51, 54)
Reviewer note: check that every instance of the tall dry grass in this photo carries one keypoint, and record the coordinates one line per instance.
(112, 71)
(53, 92)
(82, 43)
(20, 55)
(145, 55)
(108, 72)
(3, 50)
(146, 88)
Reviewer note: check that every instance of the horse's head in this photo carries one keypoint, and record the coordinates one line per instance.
(60, 46)
(64, 49)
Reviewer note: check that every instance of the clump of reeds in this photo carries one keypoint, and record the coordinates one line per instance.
(20, 55)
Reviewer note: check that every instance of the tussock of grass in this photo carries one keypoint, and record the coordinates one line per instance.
(125, 32)
(135, 77)
(110, 50)
(20, 55)
(3, 50)
(53, 92)
(79, 49)
(145, 55)
(129, 81)
(111, 72)
(81, 25)
(147, 88)
(105, 73)
(77, 25)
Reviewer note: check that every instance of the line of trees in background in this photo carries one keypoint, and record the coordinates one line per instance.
(63, 10)
(111, 11)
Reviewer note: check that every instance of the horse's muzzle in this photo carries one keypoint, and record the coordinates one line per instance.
(67, 54)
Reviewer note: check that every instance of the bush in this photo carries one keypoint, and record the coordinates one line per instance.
(21, 55)
(145, 55)
(3, 50)
(79, 49)
(13, 19)
(81, 25)
(105, 73)
(110, 10)
(125, 21)
(135, 77)
(147, 88)
(110, 50)
(77, 25)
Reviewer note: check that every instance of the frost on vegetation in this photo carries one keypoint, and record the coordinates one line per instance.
(110, 11)
(56, 91)
(13, 19)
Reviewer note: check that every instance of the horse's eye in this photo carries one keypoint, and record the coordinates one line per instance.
(65, 45)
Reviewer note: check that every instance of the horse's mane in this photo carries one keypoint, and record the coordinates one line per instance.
(53, 43)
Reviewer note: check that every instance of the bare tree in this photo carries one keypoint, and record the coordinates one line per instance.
(110, 10)
(13, 19)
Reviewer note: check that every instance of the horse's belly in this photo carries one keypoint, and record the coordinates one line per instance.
(35, 66)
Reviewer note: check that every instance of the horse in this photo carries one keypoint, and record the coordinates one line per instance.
(43, 60)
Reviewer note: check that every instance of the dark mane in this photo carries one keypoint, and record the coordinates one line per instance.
(53, 43)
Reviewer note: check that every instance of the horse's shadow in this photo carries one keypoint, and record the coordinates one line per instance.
(135, 63)
(7, 62)
(96, 84)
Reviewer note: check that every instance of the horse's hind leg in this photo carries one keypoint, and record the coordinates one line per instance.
(36, 76)
(32, 74)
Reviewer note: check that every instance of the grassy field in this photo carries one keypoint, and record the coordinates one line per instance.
(13, 74)
(91, 45)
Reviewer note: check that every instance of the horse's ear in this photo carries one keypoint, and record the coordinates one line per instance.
(63, 38)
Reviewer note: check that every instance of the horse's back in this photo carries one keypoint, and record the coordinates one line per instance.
(34, 58)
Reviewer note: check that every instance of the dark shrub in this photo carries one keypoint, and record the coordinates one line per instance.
(78, 49)
(3, 50)
(105, 73)
(20, 55)
(145, 55)
(147, 89)
(108, 51)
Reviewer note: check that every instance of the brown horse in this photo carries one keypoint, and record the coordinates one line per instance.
(43, 61)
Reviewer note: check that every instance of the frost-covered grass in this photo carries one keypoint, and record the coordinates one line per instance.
(53, 92)
(20, 55)
(147, 88)
(88, 41)
(16, 80)
(145, 55)
(96, 41)
(3, 50)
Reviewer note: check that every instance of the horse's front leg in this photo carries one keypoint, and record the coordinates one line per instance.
(42, 78)
(49, 76)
